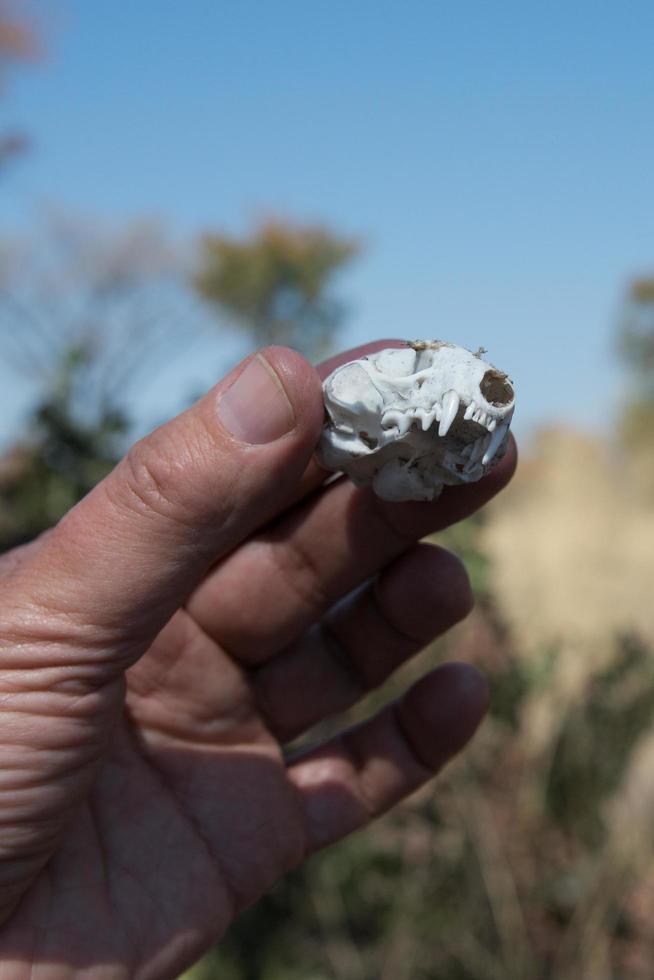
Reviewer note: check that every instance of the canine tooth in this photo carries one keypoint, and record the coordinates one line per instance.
(470, 411)
(451, 403)
(491, 425)
(495, 442)
(477, 449)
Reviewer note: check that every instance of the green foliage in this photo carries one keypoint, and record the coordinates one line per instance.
(84, 313)
(636, 336)
(637, 423)
(370, 908)
(463, 540)
(62, 458)
(597, 741)
(635, 341)
(276, 283)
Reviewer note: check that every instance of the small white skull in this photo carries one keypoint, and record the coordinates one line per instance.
(409, 420)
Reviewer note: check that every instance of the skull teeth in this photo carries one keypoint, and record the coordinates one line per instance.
(496, 440)
(444, 413)
(451, 402)
(483, 450)
(476, 414)
(478, 447)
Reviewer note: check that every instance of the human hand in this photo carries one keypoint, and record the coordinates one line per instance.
(168, 637)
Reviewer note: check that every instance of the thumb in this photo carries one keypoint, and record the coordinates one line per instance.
(125, 558)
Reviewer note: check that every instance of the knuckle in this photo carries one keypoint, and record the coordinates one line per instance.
(304, 577)
(150, 476)
(162, 477)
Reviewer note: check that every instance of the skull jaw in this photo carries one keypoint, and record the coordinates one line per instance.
(414, 468)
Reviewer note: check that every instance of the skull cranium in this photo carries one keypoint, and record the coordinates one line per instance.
(409, 420)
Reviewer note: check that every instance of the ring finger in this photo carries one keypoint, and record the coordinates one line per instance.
(360, 642)
(275, 586)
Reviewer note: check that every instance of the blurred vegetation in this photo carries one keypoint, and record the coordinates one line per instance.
(636, 346)
(19, 42)
(276, 284)
(85, 313)
(59, 460)
(636, 336)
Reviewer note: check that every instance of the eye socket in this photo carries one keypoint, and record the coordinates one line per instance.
(496, 389)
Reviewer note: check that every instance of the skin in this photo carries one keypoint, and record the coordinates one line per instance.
(204, 605)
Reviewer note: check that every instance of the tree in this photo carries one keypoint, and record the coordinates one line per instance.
(18, 43)
(636, 337)
(636, 346)
(86, 313)
(276, 283)
(85, 308)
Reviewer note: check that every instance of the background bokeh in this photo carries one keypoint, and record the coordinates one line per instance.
(182, 182)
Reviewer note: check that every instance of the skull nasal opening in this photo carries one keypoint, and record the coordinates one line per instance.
(496, 389)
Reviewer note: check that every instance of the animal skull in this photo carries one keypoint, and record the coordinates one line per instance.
(411, 419)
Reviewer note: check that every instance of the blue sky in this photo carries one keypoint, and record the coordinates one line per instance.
(497, 158)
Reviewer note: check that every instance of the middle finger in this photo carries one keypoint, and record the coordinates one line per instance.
(270, 590)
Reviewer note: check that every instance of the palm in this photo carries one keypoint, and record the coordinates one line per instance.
(191, 818)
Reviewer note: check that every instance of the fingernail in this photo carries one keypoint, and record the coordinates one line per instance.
(256, 409)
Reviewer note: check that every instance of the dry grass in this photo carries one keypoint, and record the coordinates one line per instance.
(571, 543)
